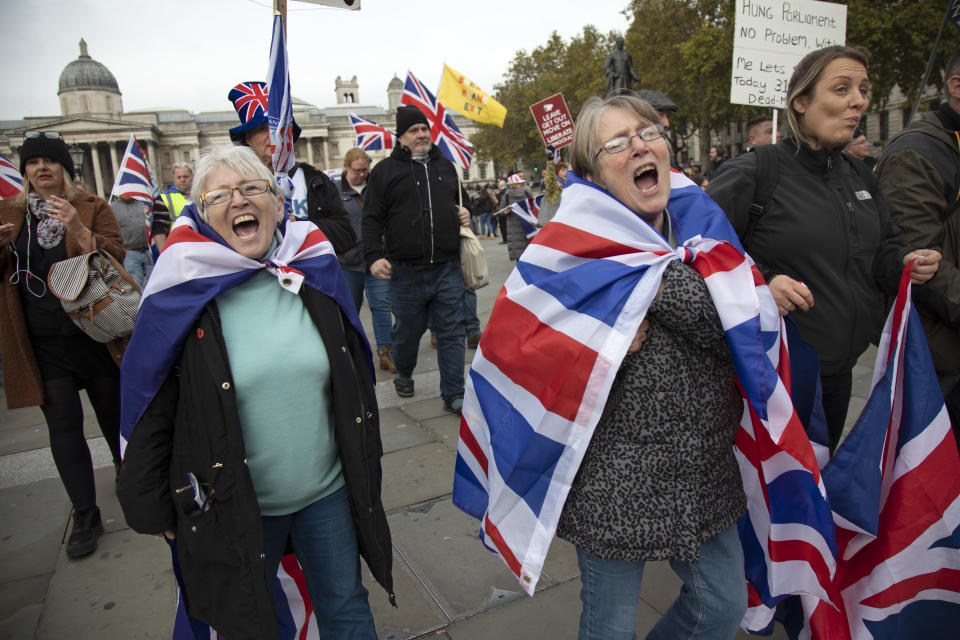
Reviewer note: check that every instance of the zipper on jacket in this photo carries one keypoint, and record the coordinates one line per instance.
(853, 218)
(426, 173)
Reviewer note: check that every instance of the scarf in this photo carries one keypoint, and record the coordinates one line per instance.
(195, 267)
(49, 231)
(552, 348)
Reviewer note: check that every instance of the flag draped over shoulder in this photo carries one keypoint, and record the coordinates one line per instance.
(552, 348)
(529, 212)
(894, 487)
(370, 135)
(459, 93)
(280, 112)
(11, 182)
(444, 133)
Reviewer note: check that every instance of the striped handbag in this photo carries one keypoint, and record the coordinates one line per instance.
(97, 293)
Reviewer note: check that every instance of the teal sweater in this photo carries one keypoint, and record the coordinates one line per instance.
(282, 379)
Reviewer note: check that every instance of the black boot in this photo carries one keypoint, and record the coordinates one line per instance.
(87, 527)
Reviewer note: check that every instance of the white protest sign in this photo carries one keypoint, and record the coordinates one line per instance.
(771, 37)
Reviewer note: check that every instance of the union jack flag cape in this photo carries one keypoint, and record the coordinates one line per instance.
(280, 113)
(554, 343)
(529, 212)
(444, 133)
(894, 487)
(11, 182)
(370, 135)
(195, 267)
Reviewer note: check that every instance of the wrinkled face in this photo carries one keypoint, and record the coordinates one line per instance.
(831, 112)
(45, 175)
(246, 223)
(640, 175)
(357, 172)
(259, 140)
(417, 139)
(183, 179)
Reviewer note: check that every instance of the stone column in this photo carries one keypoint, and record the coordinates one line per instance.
(113, 158)
(326, 154)
(152, 159)
(97, 176)
(310, 151)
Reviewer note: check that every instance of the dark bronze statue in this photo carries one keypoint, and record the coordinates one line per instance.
(619, 70)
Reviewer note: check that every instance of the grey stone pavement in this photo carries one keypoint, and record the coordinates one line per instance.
(447, 584)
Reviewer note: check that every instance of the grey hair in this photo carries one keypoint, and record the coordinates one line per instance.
(583, 149)
(183, 165)
(806, 76)
(241, 159)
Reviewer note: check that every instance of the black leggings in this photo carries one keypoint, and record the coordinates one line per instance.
(836, 391)
(64, 416)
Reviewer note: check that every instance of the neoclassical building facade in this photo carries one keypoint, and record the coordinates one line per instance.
(93, 122)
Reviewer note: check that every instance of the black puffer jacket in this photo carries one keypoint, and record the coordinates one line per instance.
(193, 425)
(325, 209)
(412, 205)
(827, 228)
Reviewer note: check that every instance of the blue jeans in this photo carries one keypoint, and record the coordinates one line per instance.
(433, 292)
(471, 323)
(325, 544)
(711, 603)
(378, 297)
(139, 265)
(486, 226)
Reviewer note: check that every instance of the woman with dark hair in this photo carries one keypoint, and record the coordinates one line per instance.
(46, 358)
(823, 238)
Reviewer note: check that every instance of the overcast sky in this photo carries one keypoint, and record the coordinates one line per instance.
(189, 53)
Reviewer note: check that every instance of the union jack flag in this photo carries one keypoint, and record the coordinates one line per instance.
(552, 348)
(370, 135)
(249, 99)
(11, 182)
(894, 487)
(279, 105)
(529, 212)
(445, 134)
(135, 180)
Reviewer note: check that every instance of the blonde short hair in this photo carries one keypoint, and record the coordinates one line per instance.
(241, 159)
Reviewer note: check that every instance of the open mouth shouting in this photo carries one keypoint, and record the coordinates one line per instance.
(246, 226)
(647, 178)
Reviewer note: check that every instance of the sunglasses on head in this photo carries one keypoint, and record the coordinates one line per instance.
(30, 135)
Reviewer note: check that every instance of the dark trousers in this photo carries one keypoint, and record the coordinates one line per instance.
(836, 391)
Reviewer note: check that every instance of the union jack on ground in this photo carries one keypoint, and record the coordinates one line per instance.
(558, 332)
(444, 133)
(370, 135)
(529, 212)
(894, 487)
(11, 182)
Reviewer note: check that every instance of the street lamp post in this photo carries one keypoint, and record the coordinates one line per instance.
(76, 154)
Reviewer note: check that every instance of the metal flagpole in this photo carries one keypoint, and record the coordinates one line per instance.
(926, 72)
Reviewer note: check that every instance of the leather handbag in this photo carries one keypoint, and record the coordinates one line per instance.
(97, 293)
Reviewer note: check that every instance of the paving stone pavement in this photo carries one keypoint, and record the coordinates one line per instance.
(447, 585)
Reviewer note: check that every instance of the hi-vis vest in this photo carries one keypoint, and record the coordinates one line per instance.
(175, 202)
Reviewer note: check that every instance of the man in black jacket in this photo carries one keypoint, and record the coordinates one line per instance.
(315, 196)
(412, 202)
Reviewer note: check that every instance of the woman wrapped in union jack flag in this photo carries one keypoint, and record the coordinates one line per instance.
(250, 421)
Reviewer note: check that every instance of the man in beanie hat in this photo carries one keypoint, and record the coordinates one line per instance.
(315, 196)
(412, 202)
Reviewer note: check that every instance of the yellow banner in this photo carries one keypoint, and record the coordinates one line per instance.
(457, 92)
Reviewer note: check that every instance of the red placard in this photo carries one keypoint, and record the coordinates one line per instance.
(553, 121)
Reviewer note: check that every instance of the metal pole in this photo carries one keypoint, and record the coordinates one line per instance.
(280, 8)
(926, 72)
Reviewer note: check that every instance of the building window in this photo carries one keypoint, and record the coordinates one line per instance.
(466, 174)
(483, 172)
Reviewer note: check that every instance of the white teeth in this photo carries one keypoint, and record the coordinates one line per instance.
(244, 218)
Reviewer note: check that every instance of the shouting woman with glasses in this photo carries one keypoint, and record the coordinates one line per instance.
(252, 421)
(46, 358)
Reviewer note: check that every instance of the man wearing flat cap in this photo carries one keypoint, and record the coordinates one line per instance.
(315, 196)
(412, 203)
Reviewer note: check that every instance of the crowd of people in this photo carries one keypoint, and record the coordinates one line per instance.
(291, 461)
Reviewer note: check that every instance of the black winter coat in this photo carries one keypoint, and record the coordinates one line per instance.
(826, 228)
(326, 209)
(193, 425)
(413, 206)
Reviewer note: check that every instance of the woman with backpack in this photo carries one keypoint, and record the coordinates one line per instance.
(814, 221)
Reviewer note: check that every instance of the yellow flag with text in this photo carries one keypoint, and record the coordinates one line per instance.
(458, 92)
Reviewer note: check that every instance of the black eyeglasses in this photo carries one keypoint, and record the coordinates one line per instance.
(30, 135)
(622, 143)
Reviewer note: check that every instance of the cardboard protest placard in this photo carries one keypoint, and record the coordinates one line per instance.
(553, 121)
(771, 37)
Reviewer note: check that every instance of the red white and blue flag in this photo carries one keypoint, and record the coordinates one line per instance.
(370, 135)
(280, 112)
(529, 213)
(135, 180)
(552, 348)
(11, 182)
(250, 99)
(444, 133)
(894, 487)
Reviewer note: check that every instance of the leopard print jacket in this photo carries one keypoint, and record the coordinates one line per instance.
(659, 477)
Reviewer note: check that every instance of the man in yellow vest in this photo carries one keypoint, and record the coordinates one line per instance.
(178, 195)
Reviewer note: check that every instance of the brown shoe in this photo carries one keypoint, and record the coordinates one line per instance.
(386, 358)
(433, 340)
(474, 340)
